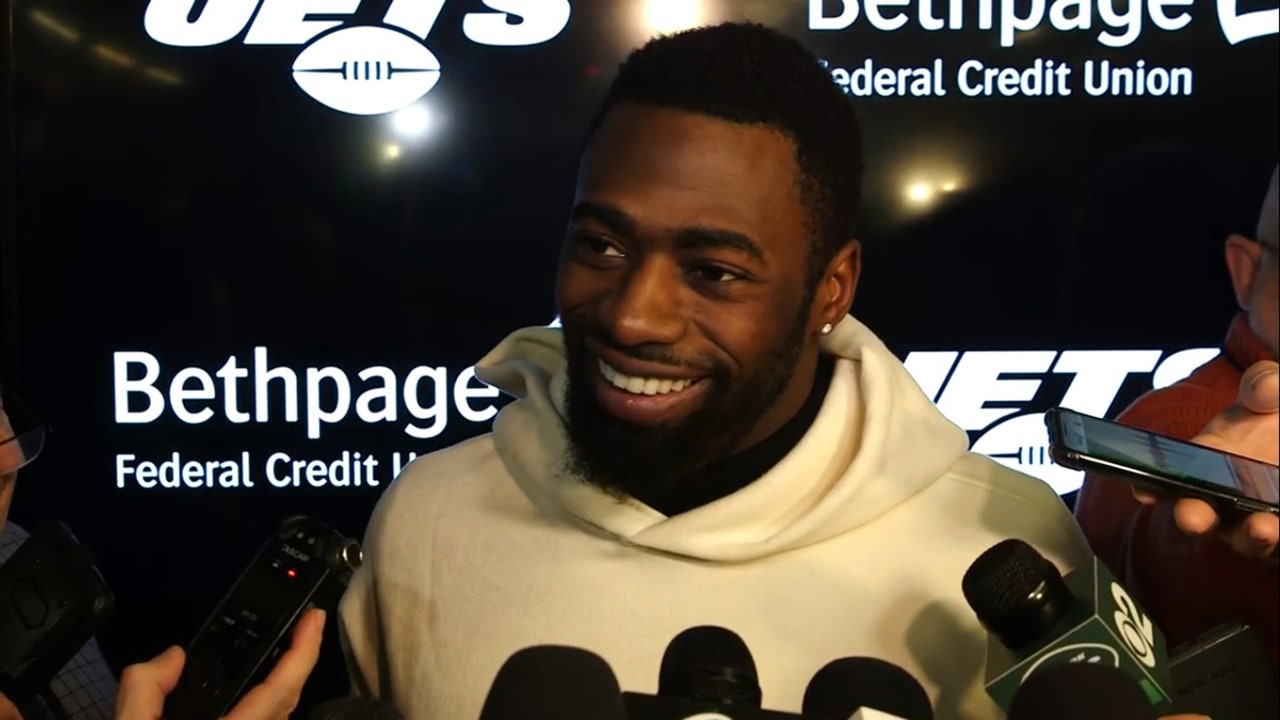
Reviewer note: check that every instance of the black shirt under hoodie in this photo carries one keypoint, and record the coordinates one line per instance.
(725, 477)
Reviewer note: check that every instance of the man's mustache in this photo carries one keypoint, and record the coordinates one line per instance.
(655, 353)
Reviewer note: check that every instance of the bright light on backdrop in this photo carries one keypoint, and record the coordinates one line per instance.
(919, 193)
(923, 186)
(669, 16)
(411, 122)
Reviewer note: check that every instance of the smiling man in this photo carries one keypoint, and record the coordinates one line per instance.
(710, 439)
(686, 293)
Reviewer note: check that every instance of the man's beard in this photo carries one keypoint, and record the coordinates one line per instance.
(628, 460)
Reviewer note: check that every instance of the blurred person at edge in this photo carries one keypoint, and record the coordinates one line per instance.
(85, 689)
(1189, 576)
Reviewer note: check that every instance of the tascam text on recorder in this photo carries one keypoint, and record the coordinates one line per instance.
(257, 392)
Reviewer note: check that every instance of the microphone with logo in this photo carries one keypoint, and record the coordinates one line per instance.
(554, 681)
(863, 688)
(707, 673)
(1037, 619)
(1073, 691)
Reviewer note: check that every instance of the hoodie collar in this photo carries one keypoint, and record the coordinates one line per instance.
(876, 441)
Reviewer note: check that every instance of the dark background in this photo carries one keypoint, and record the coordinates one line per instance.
(199, 219)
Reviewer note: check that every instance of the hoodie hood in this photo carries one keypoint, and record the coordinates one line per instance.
(876, 441)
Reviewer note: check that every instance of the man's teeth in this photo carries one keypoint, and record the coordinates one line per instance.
(642, 385)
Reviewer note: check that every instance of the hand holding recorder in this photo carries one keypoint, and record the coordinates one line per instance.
(144, 687)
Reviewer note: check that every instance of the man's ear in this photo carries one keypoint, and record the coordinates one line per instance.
(839, 283)
(1243, 259)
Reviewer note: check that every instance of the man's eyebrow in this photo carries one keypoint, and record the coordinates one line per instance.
(699, 238)
(618, 221)
(614, 219)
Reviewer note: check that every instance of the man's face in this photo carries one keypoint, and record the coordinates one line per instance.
(1263, 293)
(683, 296)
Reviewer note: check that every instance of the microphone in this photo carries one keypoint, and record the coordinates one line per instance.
(864, 688)
(707, 674)
(710, 664)
(1080, 690)
(354, 708)
(554, 681)
(1038, 619)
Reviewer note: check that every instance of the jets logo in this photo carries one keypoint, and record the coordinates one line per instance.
(362, 69)
(996, 395)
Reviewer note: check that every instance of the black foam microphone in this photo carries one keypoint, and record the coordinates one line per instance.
(354, 708)
(710, 664)
(1080, 690)
(864, 688)
(554, 681)
(1037, 618)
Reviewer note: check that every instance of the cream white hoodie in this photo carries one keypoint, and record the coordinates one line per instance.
(854, 544)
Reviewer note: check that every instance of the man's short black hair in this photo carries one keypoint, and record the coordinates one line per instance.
(752, 75)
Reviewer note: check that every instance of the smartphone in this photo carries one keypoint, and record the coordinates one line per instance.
(52, 601)
(1162, 464)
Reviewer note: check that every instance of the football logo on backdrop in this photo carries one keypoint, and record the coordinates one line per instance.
(361, 69)
(336, 70)
(999, 396)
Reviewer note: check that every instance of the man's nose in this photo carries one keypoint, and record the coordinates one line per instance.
(649, 307)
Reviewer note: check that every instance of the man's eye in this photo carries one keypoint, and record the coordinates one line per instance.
(599, 246)
(714, 274)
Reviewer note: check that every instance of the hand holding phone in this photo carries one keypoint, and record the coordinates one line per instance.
(1249, 427)
(1163, 465)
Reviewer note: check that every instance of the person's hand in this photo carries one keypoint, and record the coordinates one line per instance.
(7, 710)
(1251, 428)
(143, 687)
